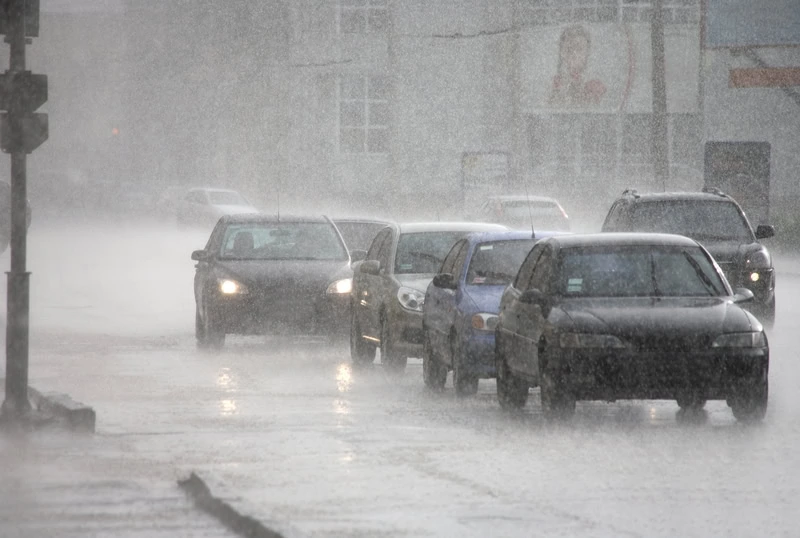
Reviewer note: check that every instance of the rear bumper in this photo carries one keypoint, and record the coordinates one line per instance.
(710, 375)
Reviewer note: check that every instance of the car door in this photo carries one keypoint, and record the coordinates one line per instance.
(440, 302)
(532, 317)
(511, 308)
(365, 295)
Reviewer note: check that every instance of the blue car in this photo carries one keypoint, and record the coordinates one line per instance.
(461, 306)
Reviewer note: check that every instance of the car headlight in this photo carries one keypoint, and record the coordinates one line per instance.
(484, 321)
(585, 340)
(760, 259)
(340, 287)
(749, 339)
(231, 287)
(411, 299)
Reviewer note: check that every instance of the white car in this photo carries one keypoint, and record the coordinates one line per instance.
(204, 206)
(523, 212)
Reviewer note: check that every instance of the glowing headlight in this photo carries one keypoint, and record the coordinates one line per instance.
(231, 287)
(340, 287)
(484, 321)
(582, 340)
(751, 339)
(759, 259)
(755, 277)
(411, 299)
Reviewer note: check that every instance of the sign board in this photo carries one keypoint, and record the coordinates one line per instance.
(750, 23)
(606, 68)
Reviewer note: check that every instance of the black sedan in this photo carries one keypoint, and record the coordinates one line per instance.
(263, 274)
(628, 316)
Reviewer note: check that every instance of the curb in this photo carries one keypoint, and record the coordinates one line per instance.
(75, 415)
(196, 488)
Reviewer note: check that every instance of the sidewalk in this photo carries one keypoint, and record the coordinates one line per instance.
(59, 484)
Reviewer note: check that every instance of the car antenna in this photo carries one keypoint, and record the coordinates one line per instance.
(530, 213)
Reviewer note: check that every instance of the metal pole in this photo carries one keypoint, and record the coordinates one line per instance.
(660, 139)
(16, 403)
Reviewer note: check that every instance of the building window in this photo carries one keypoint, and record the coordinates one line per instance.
(363, 114)
(363, 16)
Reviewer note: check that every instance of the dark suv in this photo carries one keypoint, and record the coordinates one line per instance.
(718, 223)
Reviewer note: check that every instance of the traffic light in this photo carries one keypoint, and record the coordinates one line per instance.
(22, 129)
(31, 17)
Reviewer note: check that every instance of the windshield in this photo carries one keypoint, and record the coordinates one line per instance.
(282, 241)
(699, 219)
(637, 271)
(423, 252)
(497, 262)
(226, 198)
(359, 235)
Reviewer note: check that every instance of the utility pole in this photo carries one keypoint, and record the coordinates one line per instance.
(660, 140)
(21, 131)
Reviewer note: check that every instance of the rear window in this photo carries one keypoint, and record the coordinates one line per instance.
(496, 262)
(282, 241)
(423, 252)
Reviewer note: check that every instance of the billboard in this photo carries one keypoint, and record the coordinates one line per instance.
(747, 23)
(606, 68)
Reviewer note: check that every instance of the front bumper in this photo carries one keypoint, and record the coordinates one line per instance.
(712, 375)
(254, 314)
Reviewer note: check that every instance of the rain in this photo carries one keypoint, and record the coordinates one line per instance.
(410, 117)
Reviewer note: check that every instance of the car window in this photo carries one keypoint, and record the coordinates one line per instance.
(525, 270)
(698, 219)
(374, 248)
(448, 265)
(385, 251)
(461, 258)
(358, 235)
(613, 219)
(638, 271)
(423, 252)
(282, 241)
(496, 262)
(542, 270)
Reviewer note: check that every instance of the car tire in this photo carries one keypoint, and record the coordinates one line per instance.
(213, 333)
(434, 373)
(557, 402)
(199, 329)
(391, 359)
(690, 401)
(512, 392)
(752, 405)
(361, 352)
(464, 383)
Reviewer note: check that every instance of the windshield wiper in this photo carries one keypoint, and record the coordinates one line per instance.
(701, 274)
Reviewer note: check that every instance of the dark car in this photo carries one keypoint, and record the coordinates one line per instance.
(358, 234)
(389, 288)
(628, 316)
(715, 220)
(461, 305)
(263, 274)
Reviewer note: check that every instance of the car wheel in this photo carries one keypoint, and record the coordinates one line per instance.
(212, 329)
(752, 405)
(434, 373)
(361, 352)
(391, 359)
(512, 392)
(465, 384)
(199, 329)
(690, 401)
(557, 402)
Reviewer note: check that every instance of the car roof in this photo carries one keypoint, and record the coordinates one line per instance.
(212, 189)
(621, 239)
(679, 195)
(513, 235)
(271, 218)
(422, 227)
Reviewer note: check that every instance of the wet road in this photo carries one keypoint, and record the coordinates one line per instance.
(290, 433)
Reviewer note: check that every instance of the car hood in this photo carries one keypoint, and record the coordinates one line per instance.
(416, 281)
(726, 252)
(670, 316)
(485, 298)
(266, 273)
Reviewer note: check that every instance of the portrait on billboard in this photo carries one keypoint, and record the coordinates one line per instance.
(572, 86)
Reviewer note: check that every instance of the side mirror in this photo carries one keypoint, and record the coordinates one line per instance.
(370, 267)
(445, 280)
(200, 255)
(532, 296)
(742, 295)
(764, 231)
(358, 255)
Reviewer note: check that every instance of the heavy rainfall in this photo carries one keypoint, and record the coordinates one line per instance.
(401, 268)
